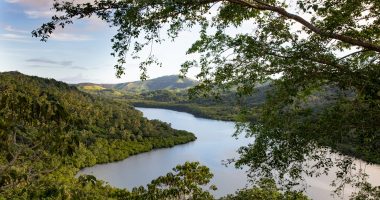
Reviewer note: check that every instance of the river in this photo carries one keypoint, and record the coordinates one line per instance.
(214, 144)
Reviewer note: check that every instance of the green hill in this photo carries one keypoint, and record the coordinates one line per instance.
(49, 130)
(172, 82)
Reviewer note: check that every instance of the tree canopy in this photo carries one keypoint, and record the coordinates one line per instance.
(49, 130)
(311, 46)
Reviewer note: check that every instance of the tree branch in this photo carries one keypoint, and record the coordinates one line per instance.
(347, 39)
(351, 54)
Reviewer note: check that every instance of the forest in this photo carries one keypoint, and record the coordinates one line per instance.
(49, 130)
(305, 49)
(229, 106)
(169, 92)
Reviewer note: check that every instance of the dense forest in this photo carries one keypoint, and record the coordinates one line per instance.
(231, 107)
(305, 48)
(169, 93)
(49, 130)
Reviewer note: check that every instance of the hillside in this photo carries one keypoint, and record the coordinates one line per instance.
(172, 82)
(171, 92)
(165, 82)
(49, 130)
(227, 107)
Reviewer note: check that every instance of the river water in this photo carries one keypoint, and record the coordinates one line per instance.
(214, 144)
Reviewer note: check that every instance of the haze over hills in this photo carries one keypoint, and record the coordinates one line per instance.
(171, 82)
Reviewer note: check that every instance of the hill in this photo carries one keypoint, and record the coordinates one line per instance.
(226, 107)
(49, 130)
(172, 82)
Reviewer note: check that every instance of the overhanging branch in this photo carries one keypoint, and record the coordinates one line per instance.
(259, 5)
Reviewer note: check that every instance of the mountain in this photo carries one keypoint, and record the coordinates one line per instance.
(49, 130)
(171, 82)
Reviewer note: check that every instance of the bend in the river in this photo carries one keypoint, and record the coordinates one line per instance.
(214, 144)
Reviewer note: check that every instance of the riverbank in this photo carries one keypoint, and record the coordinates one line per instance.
(225, 113)
(212, 134)
(219, 112)
(214, 144)
(50, 130)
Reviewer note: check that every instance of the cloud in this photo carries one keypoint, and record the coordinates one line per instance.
(80, 68)
(13, 34)
(9, 28)
(69, 37)
(57, 67)
(39, 3)
(35, 9)
(47, 61)
(79, 78)
(12, 1)
(13, 37)
(42, 63)
(35, 14)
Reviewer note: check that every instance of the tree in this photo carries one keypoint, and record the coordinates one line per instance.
(324, 53)
(266, 190)
(185, 183)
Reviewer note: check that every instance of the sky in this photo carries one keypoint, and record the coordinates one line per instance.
(78, 53)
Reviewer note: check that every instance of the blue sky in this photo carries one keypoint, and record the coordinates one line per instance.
(79, 53)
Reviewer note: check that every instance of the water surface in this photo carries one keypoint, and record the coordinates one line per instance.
(213, 145)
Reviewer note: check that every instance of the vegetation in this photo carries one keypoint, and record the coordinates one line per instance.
(308, 45)
(172, 82)
(93, 87)
(217, 112)
(266, 190)
(226, 107)
(50, 130)
(184, 183)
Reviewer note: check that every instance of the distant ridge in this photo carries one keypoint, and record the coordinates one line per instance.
(172, 82)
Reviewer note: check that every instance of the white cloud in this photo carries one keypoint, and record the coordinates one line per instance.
(12, 1)
(48, 61)
(79, 78)
(14, 30)
(70, 37)
(34, 14)
(33, 4)
(13, 34)
(52, 64)
(38, 4)
(13, 37)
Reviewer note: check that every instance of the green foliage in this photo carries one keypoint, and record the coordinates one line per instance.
(265, 190)
(173, 82)
(367, 192)
(227, 106)
(49, 130)
(185, 183)
(93, 87)
(337, 45)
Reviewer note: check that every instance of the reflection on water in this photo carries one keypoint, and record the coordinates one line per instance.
(213, 145)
